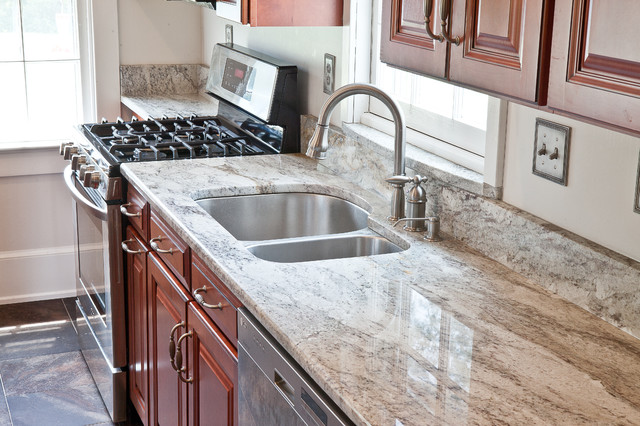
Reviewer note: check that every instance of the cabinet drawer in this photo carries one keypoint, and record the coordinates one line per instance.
(170, 247)
(136, 210)
(215, 299)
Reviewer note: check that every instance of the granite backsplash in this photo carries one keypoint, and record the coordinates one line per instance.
(593, 277)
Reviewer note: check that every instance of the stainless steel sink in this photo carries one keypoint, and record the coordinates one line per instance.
(284, 215)
(328, 247)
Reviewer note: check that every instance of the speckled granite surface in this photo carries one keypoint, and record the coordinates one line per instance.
(145, 80)
(436, 334)
(591, 276)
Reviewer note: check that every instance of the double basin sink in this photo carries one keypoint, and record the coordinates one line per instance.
(298, 227)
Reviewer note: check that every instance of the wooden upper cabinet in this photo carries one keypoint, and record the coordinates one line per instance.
(290, 13)
(404, 41)
(502, 46)
(595, 64)
(283, 13)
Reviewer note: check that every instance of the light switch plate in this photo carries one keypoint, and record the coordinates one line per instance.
(551, 151)
(329, 74)
(636, 206)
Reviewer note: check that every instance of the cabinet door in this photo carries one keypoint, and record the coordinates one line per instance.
(167, 309)
(503, 46)
(214, 369)
(595, 61)
(137, 328)
(287, 13)
(404, 42)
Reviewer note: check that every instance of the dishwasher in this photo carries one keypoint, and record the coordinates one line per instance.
(272, 388)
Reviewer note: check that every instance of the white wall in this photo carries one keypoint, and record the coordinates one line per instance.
(598, 201)
(302, 46)
(36, 232)
(159, 32)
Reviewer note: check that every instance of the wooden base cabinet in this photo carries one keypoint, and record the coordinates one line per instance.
(138, 339)
(167, 323)
(183, 368)
(214, 369)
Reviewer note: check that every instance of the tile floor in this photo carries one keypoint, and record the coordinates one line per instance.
(43, 377)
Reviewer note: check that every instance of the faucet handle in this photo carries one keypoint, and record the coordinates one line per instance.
(418, 179)
(399, 180)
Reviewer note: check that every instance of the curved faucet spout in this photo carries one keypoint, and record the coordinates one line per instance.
(319, 142)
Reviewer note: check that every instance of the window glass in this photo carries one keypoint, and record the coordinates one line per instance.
(449, 114)
(39, 65)
(10, 32)
(49, 30)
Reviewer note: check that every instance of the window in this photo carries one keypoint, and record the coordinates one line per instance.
(447, 120)
(40, 69)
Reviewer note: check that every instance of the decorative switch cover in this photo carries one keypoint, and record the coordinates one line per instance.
(551, 151)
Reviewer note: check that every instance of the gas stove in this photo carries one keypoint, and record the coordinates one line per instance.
(256, 114)
(180, 138)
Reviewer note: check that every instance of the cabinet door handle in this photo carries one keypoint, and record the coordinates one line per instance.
(127, 249)
(180, 368)
(445, 14)
(172, 344)
(428, 9)
(154, 245)
(123, 210)
(200, 299)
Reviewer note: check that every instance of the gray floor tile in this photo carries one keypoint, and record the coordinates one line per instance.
(79, 406)
(37, 374)
(39, 311)
(5, 418)
(41, 338)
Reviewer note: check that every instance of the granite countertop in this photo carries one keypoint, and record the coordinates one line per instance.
(437, 333)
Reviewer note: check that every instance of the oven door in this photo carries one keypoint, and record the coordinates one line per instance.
(100, 291)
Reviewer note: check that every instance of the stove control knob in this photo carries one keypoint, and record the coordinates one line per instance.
(92, 180)
(63, 145)
(77, 161)
(84, 169)
(69, 151)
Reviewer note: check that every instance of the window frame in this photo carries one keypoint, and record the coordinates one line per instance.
(364, 50)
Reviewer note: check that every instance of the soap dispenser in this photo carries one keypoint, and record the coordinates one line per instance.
(416, 205)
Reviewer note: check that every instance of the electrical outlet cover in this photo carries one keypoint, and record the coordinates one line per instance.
(329, 74)
(228, 33)
(551, 151)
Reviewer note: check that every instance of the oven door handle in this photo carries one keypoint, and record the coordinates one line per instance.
(70, 181)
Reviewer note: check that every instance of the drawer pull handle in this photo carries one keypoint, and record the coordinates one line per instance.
(180, 368)
(123, 210)
(200, 299)
(127, 249)
(156, 248)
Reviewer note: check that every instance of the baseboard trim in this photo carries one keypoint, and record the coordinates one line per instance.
(39, 252)
(37, 296)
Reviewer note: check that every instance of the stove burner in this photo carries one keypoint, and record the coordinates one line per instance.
(161, 139)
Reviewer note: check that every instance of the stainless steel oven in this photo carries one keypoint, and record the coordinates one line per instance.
(256, 115)
(100, 300)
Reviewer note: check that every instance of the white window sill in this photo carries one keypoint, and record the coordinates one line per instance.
(422, 162)
(30, 145)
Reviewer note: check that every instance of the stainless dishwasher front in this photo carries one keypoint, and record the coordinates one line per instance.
(272, 388)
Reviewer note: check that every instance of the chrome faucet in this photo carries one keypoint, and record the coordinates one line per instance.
(319, 142)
